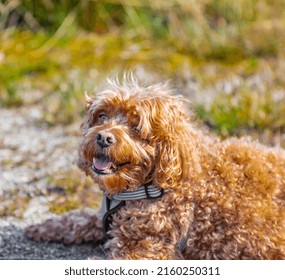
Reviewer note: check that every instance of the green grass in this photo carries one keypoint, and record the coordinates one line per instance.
(63, 48)
(76, 191)
(248, 110)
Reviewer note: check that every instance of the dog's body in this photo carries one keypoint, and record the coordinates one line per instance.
(222, 199)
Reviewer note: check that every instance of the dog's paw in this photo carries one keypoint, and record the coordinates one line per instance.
(74, 227)
(50, 230)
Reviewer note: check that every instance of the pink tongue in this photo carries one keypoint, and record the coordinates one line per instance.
(101, 165)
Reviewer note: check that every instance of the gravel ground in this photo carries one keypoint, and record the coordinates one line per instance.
(15, 246)
(28, 155)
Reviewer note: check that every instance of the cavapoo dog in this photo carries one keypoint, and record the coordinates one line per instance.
(170, 190)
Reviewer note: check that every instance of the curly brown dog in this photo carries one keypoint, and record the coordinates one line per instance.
(170, 190)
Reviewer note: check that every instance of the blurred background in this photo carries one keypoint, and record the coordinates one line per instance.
(227, 57)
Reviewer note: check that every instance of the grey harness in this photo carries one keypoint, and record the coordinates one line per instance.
(112, 205)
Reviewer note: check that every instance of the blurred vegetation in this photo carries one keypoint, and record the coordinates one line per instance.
(227, 56)
(70, 190)
(67, 191)
(15, 205)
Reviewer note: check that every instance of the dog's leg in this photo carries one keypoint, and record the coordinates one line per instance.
(74, 227)
(143, 249)
(144, 237)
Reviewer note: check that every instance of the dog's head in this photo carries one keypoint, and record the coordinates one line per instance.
(133, 135)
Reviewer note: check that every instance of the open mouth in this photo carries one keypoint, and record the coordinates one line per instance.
(103, 166)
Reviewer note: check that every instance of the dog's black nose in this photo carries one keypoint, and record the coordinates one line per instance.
(105, 139)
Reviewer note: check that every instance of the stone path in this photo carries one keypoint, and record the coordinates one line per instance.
(29, 153)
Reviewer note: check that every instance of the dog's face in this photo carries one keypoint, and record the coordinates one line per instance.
(131, 138)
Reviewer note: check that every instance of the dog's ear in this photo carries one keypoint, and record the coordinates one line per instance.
(88, 101)
(176, 144)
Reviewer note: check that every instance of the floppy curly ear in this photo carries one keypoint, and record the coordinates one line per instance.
(176, 144)
(176, 160)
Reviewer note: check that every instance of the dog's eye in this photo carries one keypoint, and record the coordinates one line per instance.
(136, 128)
(103, 117)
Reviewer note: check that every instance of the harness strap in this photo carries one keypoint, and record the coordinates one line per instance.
(182, 244)
(110, 210)
(144, 192)
(113, 204)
